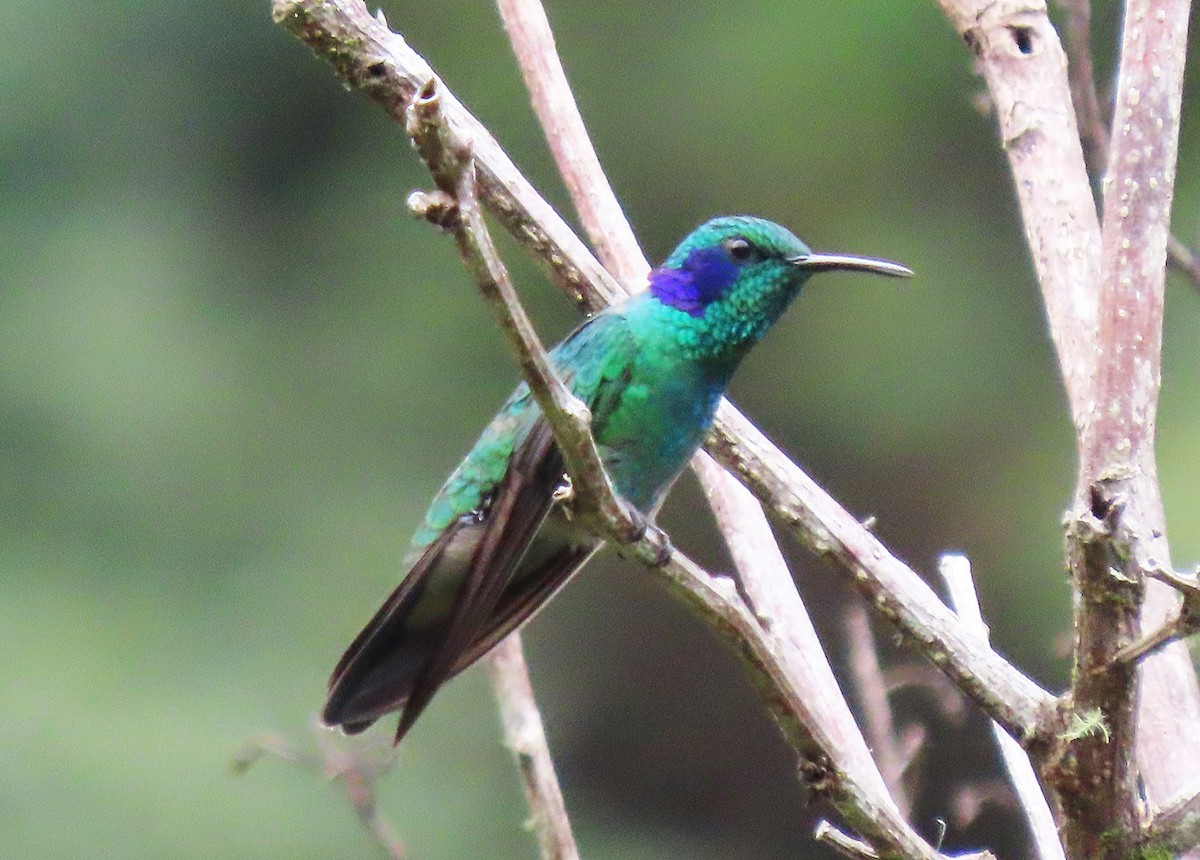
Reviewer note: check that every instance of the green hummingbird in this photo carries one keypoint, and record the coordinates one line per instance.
(496, 542)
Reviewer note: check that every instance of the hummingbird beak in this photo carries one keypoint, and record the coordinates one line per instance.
(843, 262)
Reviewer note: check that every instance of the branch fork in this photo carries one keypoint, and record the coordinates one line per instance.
(1102, 281)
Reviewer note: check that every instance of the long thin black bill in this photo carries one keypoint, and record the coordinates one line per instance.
(846, 263)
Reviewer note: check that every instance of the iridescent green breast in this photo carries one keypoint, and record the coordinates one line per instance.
(657, 417)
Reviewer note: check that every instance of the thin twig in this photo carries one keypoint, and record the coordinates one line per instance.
(356, 769)
(937, 689)
(369, 56)
(453, 170)
(843, 843)
(832, 764)
(891, 587)
(878, 722)
(1184, 260)
(526, 737)
(1183, 624)
(599, 210)
(956, 573)
(785, 624)
(854, 849)
(1094, 128)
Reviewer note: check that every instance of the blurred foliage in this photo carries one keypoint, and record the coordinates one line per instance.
(232, 371)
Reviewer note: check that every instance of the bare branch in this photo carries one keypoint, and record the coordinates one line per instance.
(938, 690)
(854, 849)
(843, 843)
(454, 172)
(356, 766)
(1119, 522)
(599, 210)
(1183, 624)
(956, 572)
(785, 625)
(890, 586)
(872, 689)
(1138, 192)
(1093, 127)
(834, 760)
(1184, 260)
(1023, 63)
(525, 736)
(1099, 544)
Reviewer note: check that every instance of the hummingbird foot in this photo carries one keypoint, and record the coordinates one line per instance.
(661, 546)
(652, 547)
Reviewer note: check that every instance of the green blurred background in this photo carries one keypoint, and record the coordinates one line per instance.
(233, 370)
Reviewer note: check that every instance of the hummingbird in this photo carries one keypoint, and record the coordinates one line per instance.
(497, 541)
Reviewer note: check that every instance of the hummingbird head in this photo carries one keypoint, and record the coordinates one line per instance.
(734, 276)
(741, 269)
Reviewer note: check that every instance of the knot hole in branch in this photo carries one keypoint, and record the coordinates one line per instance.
(1105, 500)
(974, 43)
(1022, 37)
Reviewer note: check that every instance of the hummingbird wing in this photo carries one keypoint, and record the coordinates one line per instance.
(521, 503)
(484, 567)
(412, 646)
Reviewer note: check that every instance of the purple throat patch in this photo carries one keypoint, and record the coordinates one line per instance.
(700, 281)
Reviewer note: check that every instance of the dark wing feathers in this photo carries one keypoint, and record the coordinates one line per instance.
(377, 629)
(515, 513)
(524, 599)
(390, 665)
(367, 681)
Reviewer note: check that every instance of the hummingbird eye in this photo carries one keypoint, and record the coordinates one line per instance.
(740, 249)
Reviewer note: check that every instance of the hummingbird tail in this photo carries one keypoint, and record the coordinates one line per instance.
(401, 658)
